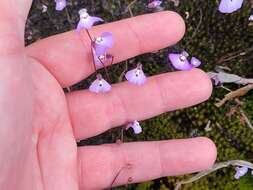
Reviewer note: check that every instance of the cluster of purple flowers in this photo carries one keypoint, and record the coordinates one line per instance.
(100, 46)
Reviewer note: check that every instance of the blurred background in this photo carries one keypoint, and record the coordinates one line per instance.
(224, 40)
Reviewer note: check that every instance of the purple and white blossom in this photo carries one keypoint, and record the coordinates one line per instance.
(103, 43)
(195, 62)
(60, 5)
(136, 76)
(240, 171)
(135, 126)
(100, 85)
(86, 21)
(180, 61)
(230, 6)
(154, 4)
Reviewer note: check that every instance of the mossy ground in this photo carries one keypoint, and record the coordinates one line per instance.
(210, 36)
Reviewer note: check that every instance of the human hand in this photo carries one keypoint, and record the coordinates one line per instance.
(40, 124)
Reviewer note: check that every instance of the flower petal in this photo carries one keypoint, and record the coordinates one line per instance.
(240, 171)
(60, 5)
(178, 63)
(195, 62)
(103, 43)
(87, 23)
(135, 126)
(229, 6)
(136, 76)
(154, 4)
(100, 85)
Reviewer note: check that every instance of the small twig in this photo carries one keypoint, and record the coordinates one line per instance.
(68, 17)
(214, 168)
(233, 94)
(233, 55)
(122, 134)
(199, 24)
(106, 71)
(129, 8)
(68, 89)
(91, 41)
(208, 126)
(246, 119)
(123, 73)
(225, 88)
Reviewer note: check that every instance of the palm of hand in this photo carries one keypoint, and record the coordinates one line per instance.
(48, 122)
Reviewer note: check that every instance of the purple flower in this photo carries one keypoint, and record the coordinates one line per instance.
(102, 43)
(100, 85)
(180, 61)
(101, 60)
(154, 4)
(60, 5)
(86, 21)
(195, 62)
(240, 171)
(229, 6)
(135, 126)
(136, 76)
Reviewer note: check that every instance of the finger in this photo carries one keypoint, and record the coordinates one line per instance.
(69, 59)
(92, 114)
(142, 161)
(13, 14)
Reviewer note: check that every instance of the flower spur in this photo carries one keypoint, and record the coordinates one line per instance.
(100, 85)
(86, 21)
(136, 76)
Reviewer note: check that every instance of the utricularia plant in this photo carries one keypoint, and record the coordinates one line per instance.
(100, 47)
(241, 167)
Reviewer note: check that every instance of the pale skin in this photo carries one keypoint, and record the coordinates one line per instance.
(40, 124)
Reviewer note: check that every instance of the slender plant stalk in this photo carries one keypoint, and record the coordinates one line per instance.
(106, 71)
(214, 168)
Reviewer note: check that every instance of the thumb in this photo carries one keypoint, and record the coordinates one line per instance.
(13, 14)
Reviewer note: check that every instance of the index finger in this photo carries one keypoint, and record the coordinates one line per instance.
(69, 58)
